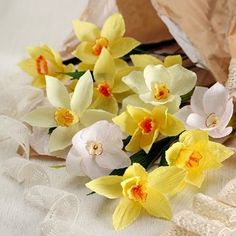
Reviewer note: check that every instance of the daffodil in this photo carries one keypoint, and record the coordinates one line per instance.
(69, 113)
(195, 153)
(108, 83)
(210, 109)
(93, 40)
(97, 150)
(159, 85)
(145, 126)
(44, 61)
(142, 60)
(138, 189)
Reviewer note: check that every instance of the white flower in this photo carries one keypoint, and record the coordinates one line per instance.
(97, 150)
(210, 109)
(158, 85)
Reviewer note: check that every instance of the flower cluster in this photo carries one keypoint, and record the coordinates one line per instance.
(118, 117)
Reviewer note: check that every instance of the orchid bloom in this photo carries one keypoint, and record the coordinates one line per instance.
(97, 150)
(144, 126)
(44, 61)
(195, 153)
(159, 85)
(69, 113)
(93, 40)
(138, 189)
(210, 109)
(108, 83)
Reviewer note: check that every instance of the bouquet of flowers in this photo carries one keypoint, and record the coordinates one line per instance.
(136, 125)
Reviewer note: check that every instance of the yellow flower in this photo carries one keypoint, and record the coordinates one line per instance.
(144, 126)
(143, 60)
(108, 86)
(138, 189)
(44, 61)
(93, 40)
(196, 154)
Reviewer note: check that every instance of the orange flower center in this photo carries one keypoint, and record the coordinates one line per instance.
(193, 160)
(138, 193)
(146, 125)
(161, 91)
(212, 120)
(65, 117)
(104, 89)
(41, 65)
(99, 44)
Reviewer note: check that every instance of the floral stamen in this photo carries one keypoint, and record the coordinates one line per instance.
(212, 120)
(193, 160)
(161, 91)
(41, 65)
(104, 89)
(94, 148)
(138, 193)
(99, 44)
(65, 117)
(146, 125)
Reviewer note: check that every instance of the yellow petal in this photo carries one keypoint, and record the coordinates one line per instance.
(166, 179)
(134, 171)
(61, 137)
(193, 136)
(126, 123)
(172, 60)
(138, 113)
(83, 94)
(114, 27)
(41, 117)
(108, 186)
(29, 66)
(85, 31)
(104, 69)
(122, 46)
(84, 53)
(157, 204)
(57, 93)
(121, 96)
(125, 213)
(134, 143)
(120, 64)
(143, 60)
(195, 177)
(39, 82)
(43, 50)
(146, 141)
(83, 66)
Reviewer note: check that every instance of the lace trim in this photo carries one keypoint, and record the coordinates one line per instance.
(231, 82)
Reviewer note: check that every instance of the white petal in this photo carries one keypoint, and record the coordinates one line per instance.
(228, 112)
(57, 93)
(183, 114)
(215, 99)
(149, 98)
(92, 115)
(173, 106)
(115, 160)
(196, 121)
(73, 163)
(83, 94)
(197, 100)
(182, 80)
(156, 74)
(220, 133)
(41, 117)
(135, 80)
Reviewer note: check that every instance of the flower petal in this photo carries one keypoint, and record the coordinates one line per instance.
(144, 60)
(138, 113)
(41, 117)
(57, 93)
(29, 66)
(84, 53)
(228, 112)
(84, 66)
(73, 163)
(122, 46)
(172, 60)
(85, 31)
(83, 94)
(104, 69)
(220, 133)
(146, 141)
(134, 143)
(91, 116)
(134, 171)
(182, 80)
(114, 27)
(135, 80)
(173, 106)
(157, 204)
(125, 213)
(107, 104)
(172, 153)
(166, 179)
(196, 121)
(197, 100)
(195, 177)
(215, 99)
(61, 137)
(193, 136)
(183, 113)
(108, 186)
